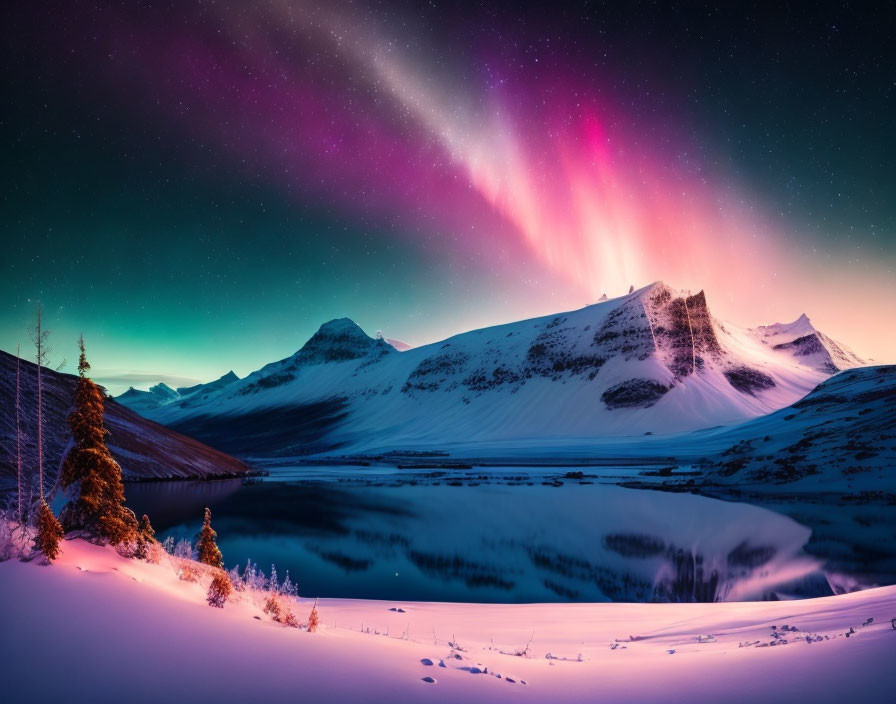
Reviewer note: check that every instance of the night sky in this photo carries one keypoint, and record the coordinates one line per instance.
(198, 186)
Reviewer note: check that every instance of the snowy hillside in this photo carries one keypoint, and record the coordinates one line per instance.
(131, 620)
(841, 435)
(142, 448)
(652, 362)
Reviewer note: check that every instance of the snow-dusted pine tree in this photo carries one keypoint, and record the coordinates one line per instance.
(288, 588)
(254, 578)
(209, 553)
(235, 579)
(273, 584)
(98, 501)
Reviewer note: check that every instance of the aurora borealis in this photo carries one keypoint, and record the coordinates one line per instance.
(198, 186)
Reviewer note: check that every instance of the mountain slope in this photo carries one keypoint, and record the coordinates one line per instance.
(840, 436)
(654, 361)
(144, 449)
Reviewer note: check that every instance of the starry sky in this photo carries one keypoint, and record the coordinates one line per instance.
(198, 186)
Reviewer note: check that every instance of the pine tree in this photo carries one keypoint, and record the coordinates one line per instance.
(273, 584)
(313, 618)
(146, 536)
(98, 502)
(49, 532)
(209, 553)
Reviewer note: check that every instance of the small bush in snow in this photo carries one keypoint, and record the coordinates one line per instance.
(154, 553)
(313, 619)
(219, 589)
(49, 532)
(274, 607)
(280, 611)
(188, 572)
(146, 537)
(289, 619)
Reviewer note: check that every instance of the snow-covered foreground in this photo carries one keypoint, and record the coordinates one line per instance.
(95, 627)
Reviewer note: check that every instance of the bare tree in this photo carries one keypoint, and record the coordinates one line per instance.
(19, 430)
(39, 336)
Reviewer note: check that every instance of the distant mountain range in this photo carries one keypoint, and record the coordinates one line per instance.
(161, 393)
(144, 449)
(653, 362)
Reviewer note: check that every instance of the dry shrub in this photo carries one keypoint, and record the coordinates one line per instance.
(219, 589)
(188, 572)
(154, 553)
(273, 607)
(279, 610)
(289, 619)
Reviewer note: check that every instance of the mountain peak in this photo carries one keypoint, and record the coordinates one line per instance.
(339, 326)
(162, 389)
(336, 341)
(809, 346)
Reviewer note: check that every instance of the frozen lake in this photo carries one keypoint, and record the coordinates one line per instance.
(501, 537)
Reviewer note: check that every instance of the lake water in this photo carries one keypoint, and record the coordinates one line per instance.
(344, 532)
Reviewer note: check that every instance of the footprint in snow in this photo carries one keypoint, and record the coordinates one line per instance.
(429, 680)
(426, 661)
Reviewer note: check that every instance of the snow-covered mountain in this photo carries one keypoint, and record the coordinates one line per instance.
(653, 362)
(801, 340)
(200, 389)
(141, 401)
(161, 393)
